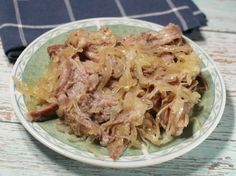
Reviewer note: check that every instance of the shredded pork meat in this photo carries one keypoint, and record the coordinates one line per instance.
(122, 90)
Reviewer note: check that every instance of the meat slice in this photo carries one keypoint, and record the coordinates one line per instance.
(168, 119)
(99, 106)
(165, 36)
(84, 78)
(167, 58)
(149, 70)
(184, 119)
(52, 50)
(116, 148)
(91, 42)
(173, 49)
(92, 55)
(104, 107)
(123, 136)
(45, 113)
(81, 124)
(103, 37)
(78, 39)
(64, 76)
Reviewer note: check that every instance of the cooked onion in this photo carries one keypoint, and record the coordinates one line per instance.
(120, 91)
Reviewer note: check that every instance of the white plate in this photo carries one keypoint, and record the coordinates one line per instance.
(130, 159)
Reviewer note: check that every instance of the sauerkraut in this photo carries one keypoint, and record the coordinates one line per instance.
(119, 91)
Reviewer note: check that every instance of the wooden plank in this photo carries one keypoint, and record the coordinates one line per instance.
(6, 111)
(221, 47)
(221, 15)
(20, 154)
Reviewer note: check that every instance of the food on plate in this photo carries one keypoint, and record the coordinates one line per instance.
(119, 91)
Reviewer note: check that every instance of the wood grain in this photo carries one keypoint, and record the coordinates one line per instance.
(6, 111)
(21, 154)
(216, 156)
(221, 14)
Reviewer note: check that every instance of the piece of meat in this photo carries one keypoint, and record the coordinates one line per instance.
(148, 70)
(164, 118)
(99, 106)
(78, 39)
(164, 112)
(103, 37)
(106, 138)
(54, 49)
(73, 79)
(90, 67)
(104, 107)
(93, 81)
(167, 118)
(90, 43)
(79, 81)
(81, 124)
(84, 79)
(165, 36)
(45, 113)
(117, 148)
(85, 101)
(64, 76)
(117, 138)
(182, 123)
(167, 58)
(132, 40)
(173, 49)
(92, 55)
(76, 90)
(184, 119)
(62, 99)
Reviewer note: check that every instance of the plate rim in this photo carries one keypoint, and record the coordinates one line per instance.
(114, 164)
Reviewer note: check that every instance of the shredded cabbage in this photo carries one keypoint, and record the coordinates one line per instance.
(142, 90)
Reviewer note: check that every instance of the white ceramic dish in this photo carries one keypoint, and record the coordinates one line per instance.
(26, 64)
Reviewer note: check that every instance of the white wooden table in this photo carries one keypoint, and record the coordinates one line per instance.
(21, 154)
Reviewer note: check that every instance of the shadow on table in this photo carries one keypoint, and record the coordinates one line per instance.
(195, 35)
(200, 157)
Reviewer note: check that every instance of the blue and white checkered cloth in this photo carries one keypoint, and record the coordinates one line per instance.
(21, 21)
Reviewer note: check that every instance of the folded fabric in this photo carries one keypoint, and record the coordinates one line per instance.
(21, 21)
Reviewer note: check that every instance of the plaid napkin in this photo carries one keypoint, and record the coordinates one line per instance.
(21, 21)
